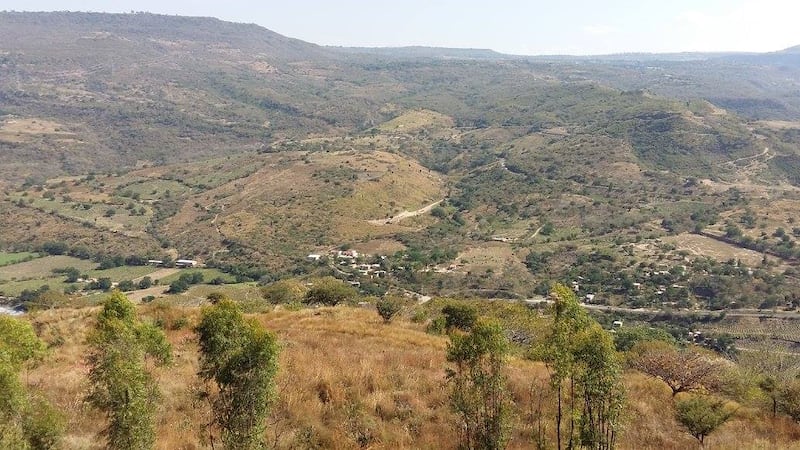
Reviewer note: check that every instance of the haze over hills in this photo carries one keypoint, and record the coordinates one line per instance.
(131, 85)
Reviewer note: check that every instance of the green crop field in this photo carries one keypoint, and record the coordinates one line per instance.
(122, 273)
(14, 288)
(13, 258)
(43, 267)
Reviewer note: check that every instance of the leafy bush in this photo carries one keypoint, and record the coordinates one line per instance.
(329, 291)
(121, 385)
(184, 281)
(460, 316)
(55, 248)
(126, 286)
(701, 415)
(24, 423)
(388, 307)
(437, 326)
(145, 283)
(625, 338)
(284, 291)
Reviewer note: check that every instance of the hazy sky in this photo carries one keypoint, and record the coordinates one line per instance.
(509, 26)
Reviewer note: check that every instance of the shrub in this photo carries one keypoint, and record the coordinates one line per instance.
(145, 283)
(284, 291)
(478, 386)
(126, 286)
(437, 326)
(55, 248)
(329, 291)
(701, 415)
(24, 423)
(460, 316)
(388, 307)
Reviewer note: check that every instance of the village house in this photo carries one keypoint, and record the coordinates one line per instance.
(185, 263)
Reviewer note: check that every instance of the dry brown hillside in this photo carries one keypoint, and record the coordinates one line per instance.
(349, 381)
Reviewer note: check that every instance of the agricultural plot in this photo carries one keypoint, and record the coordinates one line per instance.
(208, 275)
(748, 328)
(149, 190)
(14, 288)
(122, 273)
(17, 257)
(699, 245)
(121, 214)
(43, 267)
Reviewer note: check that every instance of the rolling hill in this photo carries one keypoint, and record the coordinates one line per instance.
(155, 135)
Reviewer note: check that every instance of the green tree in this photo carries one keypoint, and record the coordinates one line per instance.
(241, 358)
(178, 286)
(460, 316)
(72, 274)
(701, 415)
(787, 395)
(598, 375)
(145, 283)
(284, 291)
(388, 307)
(478, 392)
(626, 337)
(121, 386)
(26, 421)
(329, 291)
(585, 374)
(126, 286)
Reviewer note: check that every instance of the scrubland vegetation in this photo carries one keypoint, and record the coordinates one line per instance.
(492, 375)
(411, 248)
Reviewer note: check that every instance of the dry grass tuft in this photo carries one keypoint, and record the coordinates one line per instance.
(347, 380)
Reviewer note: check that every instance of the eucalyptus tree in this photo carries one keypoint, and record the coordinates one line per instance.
(121, 384)
(241, 358)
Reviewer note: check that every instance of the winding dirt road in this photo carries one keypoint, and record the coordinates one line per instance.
(405, 215)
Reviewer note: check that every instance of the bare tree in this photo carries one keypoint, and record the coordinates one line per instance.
(682, 369)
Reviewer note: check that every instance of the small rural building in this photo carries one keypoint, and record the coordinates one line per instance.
(347, 254)
(185, 263)
(313, 257)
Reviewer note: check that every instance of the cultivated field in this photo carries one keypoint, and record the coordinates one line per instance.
(43, 267)
(699, 245)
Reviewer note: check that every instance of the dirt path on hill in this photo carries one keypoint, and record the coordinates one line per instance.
(764, 153)
(405, 215)
(158, 274)
(155, 291)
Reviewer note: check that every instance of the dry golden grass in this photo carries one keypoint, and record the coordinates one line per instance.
(704, 246)
(22, 129)
(347, 380)
(379, 247)
(416, 120)
(298, 203)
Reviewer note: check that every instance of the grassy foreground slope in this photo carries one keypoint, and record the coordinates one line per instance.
(347, 380)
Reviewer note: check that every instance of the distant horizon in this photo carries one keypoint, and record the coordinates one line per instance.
(510, 27)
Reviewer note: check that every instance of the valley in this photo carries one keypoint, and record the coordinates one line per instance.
(189, 161)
